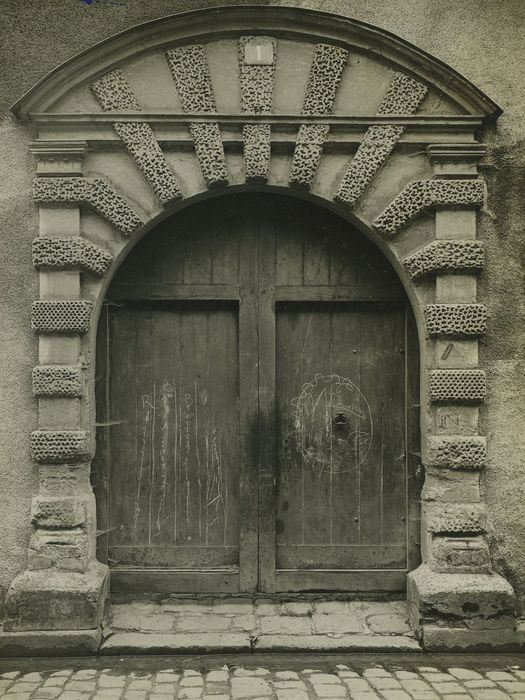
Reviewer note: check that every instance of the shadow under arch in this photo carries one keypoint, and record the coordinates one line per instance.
(357, 228)
(295, 193)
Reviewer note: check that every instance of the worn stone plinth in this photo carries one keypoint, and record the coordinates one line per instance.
(464, 607)
(143, 643)
(56, 600)
(59, 643)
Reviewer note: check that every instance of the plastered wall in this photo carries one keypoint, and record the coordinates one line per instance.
(482, 39)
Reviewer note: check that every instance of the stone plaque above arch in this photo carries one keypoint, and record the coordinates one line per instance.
(334, 110)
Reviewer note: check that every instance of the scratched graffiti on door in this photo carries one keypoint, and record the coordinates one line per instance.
(180, 467)
(332, 424)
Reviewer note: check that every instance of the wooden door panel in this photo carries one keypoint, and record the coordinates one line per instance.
(341, 475)
(173, 494)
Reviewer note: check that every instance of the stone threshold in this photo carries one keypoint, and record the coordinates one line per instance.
(183, 625)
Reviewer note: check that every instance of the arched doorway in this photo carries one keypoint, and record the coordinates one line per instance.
(257, 406)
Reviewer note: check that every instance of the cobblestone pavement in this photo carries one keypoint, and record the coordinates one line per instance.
(419, 677)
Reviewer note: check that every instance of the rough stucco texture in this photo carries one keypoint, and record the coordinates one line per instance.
(481, 39)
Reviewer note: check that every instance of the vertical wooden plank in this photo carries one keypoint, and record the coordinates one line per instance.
(415, 473)
(101, 462)
(289, 244)
(267, 427)
(317, 246)
(353, 436)
(248, 395)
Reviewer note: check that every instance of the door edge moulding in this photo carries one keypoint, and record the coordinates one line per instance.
(455, 598)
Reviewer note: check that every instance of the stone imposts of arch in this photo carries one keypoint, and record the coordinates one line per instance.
(334, 110)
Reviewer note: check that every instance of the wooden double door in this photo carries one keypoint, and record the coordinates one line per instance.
(256, 407)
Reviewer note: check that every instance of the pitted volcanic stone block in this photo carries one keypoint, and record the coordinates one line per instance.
(58, 513)
(95, 193)
(59, 446)
(256, 79)
(457, 451)
(69, 317)
(210, 152)
(456, 320)
(323, 82)
(457, 385)
(256, 96)
(69, 253)
(257, 151)
(452, 518)
(307, 154)
(459, 555)
(147, 154)
(446, 256)
(404, 96)
(113, 93)
(57, 380)
(424, 194)
(189, 68)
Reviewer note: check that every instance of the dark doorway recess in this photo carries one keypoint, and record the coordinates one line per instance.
(257, 407)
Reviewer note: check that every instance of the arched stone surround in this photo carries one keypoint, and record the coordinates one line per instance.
(332, 110)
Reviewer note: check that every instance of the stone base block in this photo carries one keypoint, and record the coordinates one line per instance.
(61, 643)
(460, 606)
(459, 639)
(57, 600)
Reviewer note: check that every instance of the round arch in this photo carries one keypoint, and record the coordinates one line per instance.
(261, 99)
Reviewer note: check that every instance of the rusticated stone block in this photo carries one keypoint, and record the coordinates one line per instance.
(457, 385)
(49, 600)
(456, 320)
(189, 68)
(257, 151)
(113, 93)
(457, 451)
(455, 518)
(451, 599)
(59, 446)
(57, 380)
(147, 154)
(53, 547)
(459, 555)
(61, 316)
(446, 256)
(307, 154)
(404, 96)
(424, 194)
(257, 79)
(70, 253)
(95, 193)
(57, 513)
(323, 82)
(210, 153)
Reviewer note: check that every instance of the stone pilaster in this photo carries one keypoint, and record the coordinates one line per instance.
(455, 593)
(63, 588)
